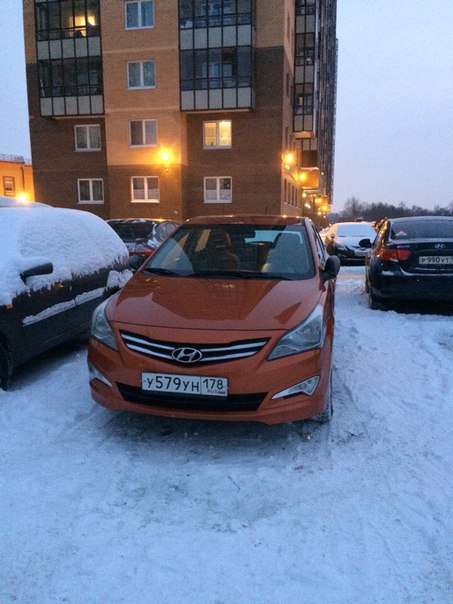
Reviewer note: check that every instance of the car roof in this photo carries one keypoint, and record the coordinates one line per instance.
(247, 219)
(351, 222)
(418, 218)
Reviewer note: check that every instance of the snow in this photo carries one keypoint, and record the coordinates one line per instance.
(129, 509)
(76, 242)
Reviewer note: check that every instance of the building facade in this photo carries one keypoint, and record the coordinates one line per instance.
(16, 177)
(181, 108)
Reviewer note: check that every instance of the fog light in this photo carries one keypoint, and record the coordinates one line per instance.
(97, 375)
(305, 387)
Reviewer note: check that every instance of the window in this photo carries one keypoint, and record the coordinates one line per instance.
(140, 14)
(217, 189)
(216, 68)
(217, 134)
(67, 19)
(88, 138)
(143, 133)
(9, 187)
(214, 13)
(141, 74)
(145, 189)
(91, 190)
(70, 77)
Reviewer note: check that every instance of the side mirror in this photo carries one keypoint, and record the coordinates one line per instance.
(40, 269)
(366, 243)
(331, 268)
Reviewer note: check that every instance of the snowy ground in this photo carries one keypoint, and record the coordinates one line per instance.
(103, 508)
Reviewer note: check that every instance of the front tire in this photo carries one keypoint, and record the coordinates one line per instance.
(326, 415)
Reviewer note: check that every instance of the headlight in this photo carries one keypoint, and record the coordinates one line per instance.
(305, 336)
(100, 327)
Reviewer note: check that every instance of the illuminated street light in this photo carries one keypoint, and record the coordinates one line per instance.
(166, 159)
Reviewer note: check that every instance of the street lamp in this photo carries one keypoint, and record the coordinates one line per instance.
(166, 159)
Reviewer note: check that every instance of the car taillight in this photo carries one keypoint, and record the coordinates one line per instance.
(395, 254)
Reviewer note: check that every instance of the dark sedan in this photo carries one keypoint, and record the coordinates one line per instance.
(411, 260)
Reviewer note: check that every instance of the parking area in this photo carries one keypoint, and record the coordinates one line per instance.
(120, 508)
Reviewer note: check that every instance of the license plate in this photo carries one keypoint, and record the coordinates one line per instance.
(435, 260)
(190, 385)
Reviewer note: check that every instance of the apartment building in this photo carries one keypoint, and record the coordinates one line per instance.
(181, 108)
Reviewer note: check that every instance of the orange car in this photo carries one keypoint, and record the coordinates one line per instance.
(230, 319)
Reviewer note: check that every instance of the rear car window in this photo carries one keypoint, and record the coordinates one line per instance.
(422, 229)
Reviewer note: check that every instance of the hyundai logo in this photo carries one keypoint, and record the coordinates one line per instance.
(186, 355)
(439, 246)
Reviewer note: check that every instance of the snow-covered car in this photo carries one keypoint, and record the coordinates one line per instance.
(230, 319)
(411, 260)
(14, 202)
(56, 266)
(343, 240)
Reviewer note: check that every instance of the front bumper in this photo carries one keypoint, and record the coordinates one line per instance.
(252, 384)
(351, 254)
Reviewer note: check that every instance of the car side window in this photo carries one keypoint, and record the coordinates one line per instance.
(320, 247)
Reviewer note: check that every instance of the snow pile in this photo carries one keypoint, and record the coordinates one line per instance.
(98, 507)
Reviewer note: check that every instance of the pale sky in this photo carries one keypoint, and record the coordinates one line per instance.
(394, 123)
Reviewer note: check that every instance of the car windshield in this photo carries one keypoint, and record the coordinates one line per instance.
(360, 229)
(235, 250)
(422, 229)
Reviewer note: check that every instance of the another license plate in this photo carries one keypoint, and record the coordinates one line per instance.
(435, 260)
(190, 385)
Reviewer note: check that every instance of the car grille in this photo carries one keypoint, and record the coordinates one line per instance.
(207, 353)
(234, 402)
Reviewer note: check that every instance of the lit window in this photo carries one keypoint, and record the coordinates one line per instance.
(139, 14)
(217, 189)
(88, 138)
(141, 74)
(91, 190)
(217, 134)
(143, 133)
(145, 189)
(9, 186)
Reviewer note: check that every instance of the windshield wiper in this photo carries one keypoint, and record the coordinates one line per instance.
(166, 272)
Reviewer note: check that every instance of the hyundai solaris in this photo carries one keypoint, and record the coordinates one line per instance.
(232, 318)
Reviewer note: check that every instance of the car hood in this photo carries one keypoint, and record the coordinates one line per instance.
(212, 303)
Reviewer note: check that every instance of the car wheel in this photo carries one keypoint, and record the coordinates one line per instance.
(6, 367)
(326, 415)
(373, 303)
